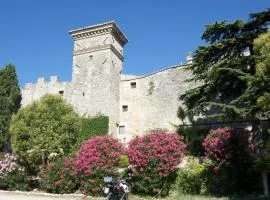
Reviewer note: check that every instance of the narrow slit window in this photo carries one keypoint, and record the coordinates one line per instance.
(133, 84)
(61, 92)
(125, 108)
(121, 129)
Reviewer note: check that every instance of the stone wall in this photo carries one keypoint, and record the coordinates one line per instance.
(153, 102)
(32, 92)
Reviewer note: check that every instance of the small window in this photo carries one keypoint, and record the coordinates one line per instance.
(133, 84)
(121, 129)
(125, 108)
(83, 93)
(61, 92)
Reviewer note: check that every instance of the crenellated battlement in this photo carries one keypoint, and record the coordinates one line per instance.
(34, 91)
(54, 79)
(43, 81)
(28, 85)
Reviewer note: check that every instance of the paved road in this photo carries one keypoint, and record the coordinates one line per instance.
(4, 195)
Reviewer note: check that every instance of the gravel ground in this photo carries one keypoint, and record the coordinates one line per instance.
(5, 195)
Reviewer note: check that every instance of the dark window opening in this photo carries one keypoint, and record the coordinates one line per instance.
(83, 93)
(125, 108)
(61, 92)
(133, 84)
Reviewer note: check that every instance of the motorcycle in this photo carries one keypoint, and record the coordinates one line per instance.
(116, 190)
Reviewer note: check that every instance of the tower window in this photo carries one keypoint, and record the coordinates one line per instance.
(121, 129)
(61, 92)
(125, 108)
(83, 93)
(133, 84)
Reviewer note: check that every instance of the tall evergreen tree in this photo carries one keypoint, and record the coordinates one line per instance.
(10, 100)
(226, 66)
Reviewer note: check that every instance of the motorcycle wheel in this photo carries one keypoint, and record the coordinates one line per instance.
(122, 195)
(112, 196)
(125, 197)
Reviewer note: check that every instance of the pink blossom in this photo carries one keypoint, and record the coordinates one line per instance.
(161, 148)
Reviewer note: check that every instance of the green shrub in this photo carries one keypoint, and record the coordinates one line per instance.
(15, 180)
(193, 136)
(59, 177)
(190, 179)
(92, 126)
(123, 161)
(219, 181)
(45, 129)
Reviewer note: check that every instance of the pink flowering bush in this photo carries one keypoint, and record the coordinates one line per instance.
(155, 158)
(97, 157)
(231, 162)
(98, 152)
(217, 145)
(59, 177)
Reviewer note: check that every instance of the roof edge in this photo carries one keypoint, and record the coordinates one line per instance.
(183, 66)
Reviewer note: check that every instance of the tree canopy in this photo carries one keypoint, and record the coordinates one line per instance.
(227, 69)
(262, 50)
(43, 130)
(10, 100)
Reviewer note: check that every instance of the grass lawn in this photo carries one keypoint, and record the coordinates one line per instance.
(195, 197)
(178, 197)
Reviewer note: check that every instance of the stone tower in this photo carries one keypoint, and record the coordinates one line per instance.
(96, 73)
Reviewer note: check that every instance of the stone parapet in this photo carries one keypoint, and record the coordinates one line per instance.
(41, 80)
(104, 28)
(54, 79)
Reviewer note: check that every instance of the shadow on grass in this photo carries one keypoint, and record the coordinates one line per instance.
(197, 197)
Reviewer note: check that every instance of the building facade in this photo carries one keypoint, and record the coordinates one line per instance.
(134, 104)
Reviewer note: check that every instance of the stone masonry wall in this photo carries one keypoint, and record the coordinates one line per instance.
(33, 92)
(154, 102)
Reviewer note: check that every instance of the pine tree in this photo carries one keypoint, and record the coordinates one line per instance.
(10, 100)
(226, 67)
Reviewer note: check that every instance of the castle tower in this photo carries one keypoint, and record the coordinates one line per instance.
(97, 66)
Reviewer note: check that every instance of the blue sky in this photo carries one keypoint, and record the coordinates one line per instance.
(34, 33)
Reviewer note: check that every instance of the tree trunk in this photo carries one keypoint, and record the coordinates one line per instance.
(265, 184)
(257, 136)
